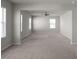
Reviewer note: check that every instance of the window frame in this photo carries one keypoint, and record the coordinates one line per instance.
(3, 22)
(21, 19)
(30, 23)
(52, 22)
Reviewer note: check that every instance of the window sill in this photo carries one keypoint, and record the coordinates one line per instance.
(3, 37)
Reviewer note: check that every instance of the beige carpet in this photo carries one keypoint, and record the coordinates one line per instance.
(41, 46)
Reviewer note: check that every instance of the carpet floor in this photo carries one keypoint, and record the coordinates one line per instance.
(41, 46)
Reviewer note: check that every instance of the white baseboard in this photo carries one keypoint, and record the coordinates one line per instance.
(73, 43)
(8, 45)
(17, 43)
(26, 35)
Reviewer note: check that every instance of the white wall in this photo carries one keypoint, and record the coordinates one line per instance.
(41, 23)
(25, 31)
(66, 24)
(7, 41)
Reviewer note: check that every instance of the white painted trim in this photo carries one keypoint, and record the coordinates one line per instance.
(66, 37)
(8, 45)
(27, 35)
(73, 43)
(17, 43)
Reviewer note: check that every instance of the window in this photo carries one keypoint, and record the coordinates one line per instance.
(3, 22)
(21, 22)
(30, 22)
(52, 23)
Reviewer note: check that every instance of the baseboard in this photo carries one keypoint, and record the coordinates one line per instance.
(73, 43)
(17, 43)
(8, 45)
(65, 36)
(27, 35)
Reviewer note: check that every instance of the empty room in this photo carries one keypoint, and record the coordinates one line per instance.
(38, 29)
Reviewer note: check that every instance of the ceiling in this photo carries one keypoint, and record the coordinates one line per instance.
(43, 1)
(55, 7)
(43, 12)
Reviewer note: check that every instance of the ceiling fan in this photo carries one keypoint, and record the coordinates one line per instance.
(41, 12)
(46, 14)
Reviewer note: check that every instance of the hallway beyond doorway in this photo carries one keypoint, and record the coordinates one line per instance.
(41, 45)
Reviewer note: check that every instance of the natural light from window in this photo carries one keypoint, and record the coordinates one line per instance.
(21, 22)
(3, 22)
(30, 20)
(52, 23)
